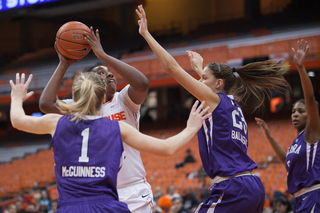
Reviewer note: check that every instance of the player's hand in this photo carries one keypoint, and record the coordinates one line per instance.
(264, 127)
(299, 56)
(143, 26)
(196, 61)
(197, 116)
(93, 40)
(19, 90)
(64, 60)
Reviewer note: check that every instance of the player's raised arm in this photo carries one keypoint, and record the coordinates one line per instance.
(47, 102)
(196, 88)
(312, 130)
(170, 145)
(37, 125)
(280, 152)
(139, 83)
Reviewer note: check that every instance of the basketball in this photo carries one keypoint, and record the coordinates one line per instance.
(70, 40)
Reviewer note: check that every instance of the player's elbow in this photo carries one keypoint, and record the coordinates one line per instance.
(169, 150)
(145, 84)
(44, 106)
(171, 67)
(16, 122)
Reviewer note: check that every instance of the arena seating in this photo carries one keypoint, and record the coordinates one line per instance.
(38, 169)
(274, 44)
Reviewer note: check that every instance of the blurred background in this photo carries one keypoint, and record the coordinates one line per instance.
(235, 32)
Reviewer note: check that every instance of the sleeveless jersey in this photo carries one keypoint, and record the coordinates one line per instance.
(80, 149)
(302, 164)
(122, 108)
(223, 140)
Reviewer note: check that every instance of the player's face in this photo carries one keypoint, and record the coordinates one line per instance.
(109, 79)
(208, 79)
(299, 116)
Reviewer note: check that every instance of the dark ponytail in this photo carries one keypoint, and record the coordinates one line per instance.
(256, 78)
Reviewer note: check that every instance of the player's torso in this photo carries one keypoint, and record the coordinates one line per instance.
(224, 139)
(80, 150)
(302, 164)
(121, 108)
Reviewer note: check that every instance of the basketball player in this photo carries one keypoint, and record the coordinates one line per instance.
(223, 138)
(132, 185)
(302, 160)
(88, 148)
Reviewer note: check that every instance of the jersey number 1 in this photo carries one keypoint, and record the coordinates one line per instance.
(84, 149)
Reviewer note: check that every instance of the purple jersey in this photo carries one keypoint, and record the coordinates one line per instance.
(223, 140)
(87, 157)
(302, 164)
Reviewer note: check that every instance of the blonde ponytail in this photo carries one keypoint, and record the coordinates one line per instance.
(88, 91)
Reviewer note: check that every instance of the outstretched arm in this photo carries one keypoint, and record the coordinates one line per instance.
(139, 83)
(171, 145)
(196, 88)
(312, 131)
(280, 152)
(47, 102)
(37, 125)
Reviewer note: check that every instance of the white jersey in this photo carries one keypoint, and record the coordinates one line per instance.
(122, 108)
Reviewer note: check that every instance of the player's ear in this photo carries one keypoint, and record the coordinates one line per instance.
(219, 83)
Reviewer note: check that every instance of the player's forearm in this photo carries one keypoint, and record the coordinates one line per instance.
(16, 113)
(280, 152)
(305, 83)
(49, 94)
(177, 142)
(133, 76)
(198, 71)
(313, 125)
(166, 60)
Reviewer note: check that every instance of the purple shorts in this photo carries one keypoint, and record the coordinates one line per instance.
(239, 194)
(308, 202)
(94, 204)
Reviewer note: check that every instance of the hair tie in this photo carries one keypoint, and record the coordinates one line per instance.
(234, 69)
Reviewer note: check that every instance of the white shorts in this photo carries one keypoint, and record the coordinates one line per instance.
(138, 197)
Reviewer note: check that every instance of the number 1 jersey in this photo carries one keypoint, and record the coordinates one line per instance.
(88, 156)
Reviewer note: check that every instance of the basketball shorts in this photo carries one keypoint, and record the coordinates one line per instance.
(138, 197)
(243, 194)
(308, 202)
(93, 204)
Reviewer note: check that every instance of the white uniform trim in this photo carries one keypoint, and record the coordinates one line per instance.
(308, 150)
(212, 207)
(219, 179)
(306, 190)
(314, 152)
(312, 210)
(208, 135)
